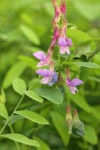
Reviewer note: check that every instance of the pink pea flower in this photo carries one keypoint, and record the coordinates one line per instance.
(63, 41)
(64, 44)
(73, 83)
(44, 59)
(49, 77)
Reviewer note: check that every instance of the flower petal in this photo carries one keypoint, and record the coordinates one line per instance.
(40, 55)
(46, 80)
(62, 50)
(67, 50)
(54, 79)
(73, 90)
(45, 61)
(62, 42)
(44, 72)
(76, 82)
(68, 81)
(69, 41)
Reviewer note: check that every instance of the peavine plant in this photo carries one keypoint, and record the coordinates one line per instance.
(50, 76)
(63, 70)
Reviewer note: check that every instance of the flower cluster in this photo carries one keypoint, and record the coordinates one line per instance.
(73, 122)
(50, 76)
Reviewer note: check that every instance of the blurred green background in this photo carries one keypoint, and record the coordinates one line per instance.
(25, 27)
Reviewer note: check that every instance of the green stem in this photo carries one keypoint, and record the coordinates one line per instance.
(11, 129)
(59, 59)
(67, 96)
(12, 114)
(59, 63)
(14, 110)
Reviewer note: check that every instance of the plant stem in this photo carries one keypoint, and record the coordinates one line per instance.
(59, 63)
(14, 110)
(12, 114)
(67, 96)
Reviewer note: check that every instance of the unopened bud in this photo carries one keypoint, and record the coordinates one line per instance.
(51, 66)
(54, 39)
(69, 119)
(57, 13)
(63, 7)
(68, 73)
(78, 124)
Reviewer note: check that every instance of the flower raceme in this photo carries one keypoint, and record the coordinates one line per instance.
(59, 36)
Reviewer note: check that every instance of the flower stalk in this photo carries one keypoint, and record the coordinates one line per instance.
(64, 43)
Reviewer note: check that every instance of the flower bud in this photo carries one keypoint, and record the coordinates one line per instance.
(69, 119)
(55, 37)
(78, 124)
(68, 73)
(63, 7)
(57, 13)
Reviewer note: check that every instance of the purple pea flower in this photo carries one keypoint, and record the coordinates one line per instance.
(64, 44)
(49, 77)
(54, 79)
(73, 83)
(44, 59)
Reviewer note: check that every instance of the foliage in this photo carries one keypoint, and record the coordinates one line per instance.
(32, 116)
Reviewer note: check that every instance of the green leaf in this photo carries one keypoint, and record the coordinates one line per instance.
(81, 102)
(32, 116)
(90, 135)
(2, 96)
(82, 64)
(87, 64)
(94, 79)
(21, 139)
(19, 86)
(28, 61)
(15, 71)
(59, 124)
(43, 145)
(96, 112)
(14, 119)
(78, 37)
(3, 111)
(92, 10)
(34, 96)
(30, 34)
(85, 117)
(51, 94)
